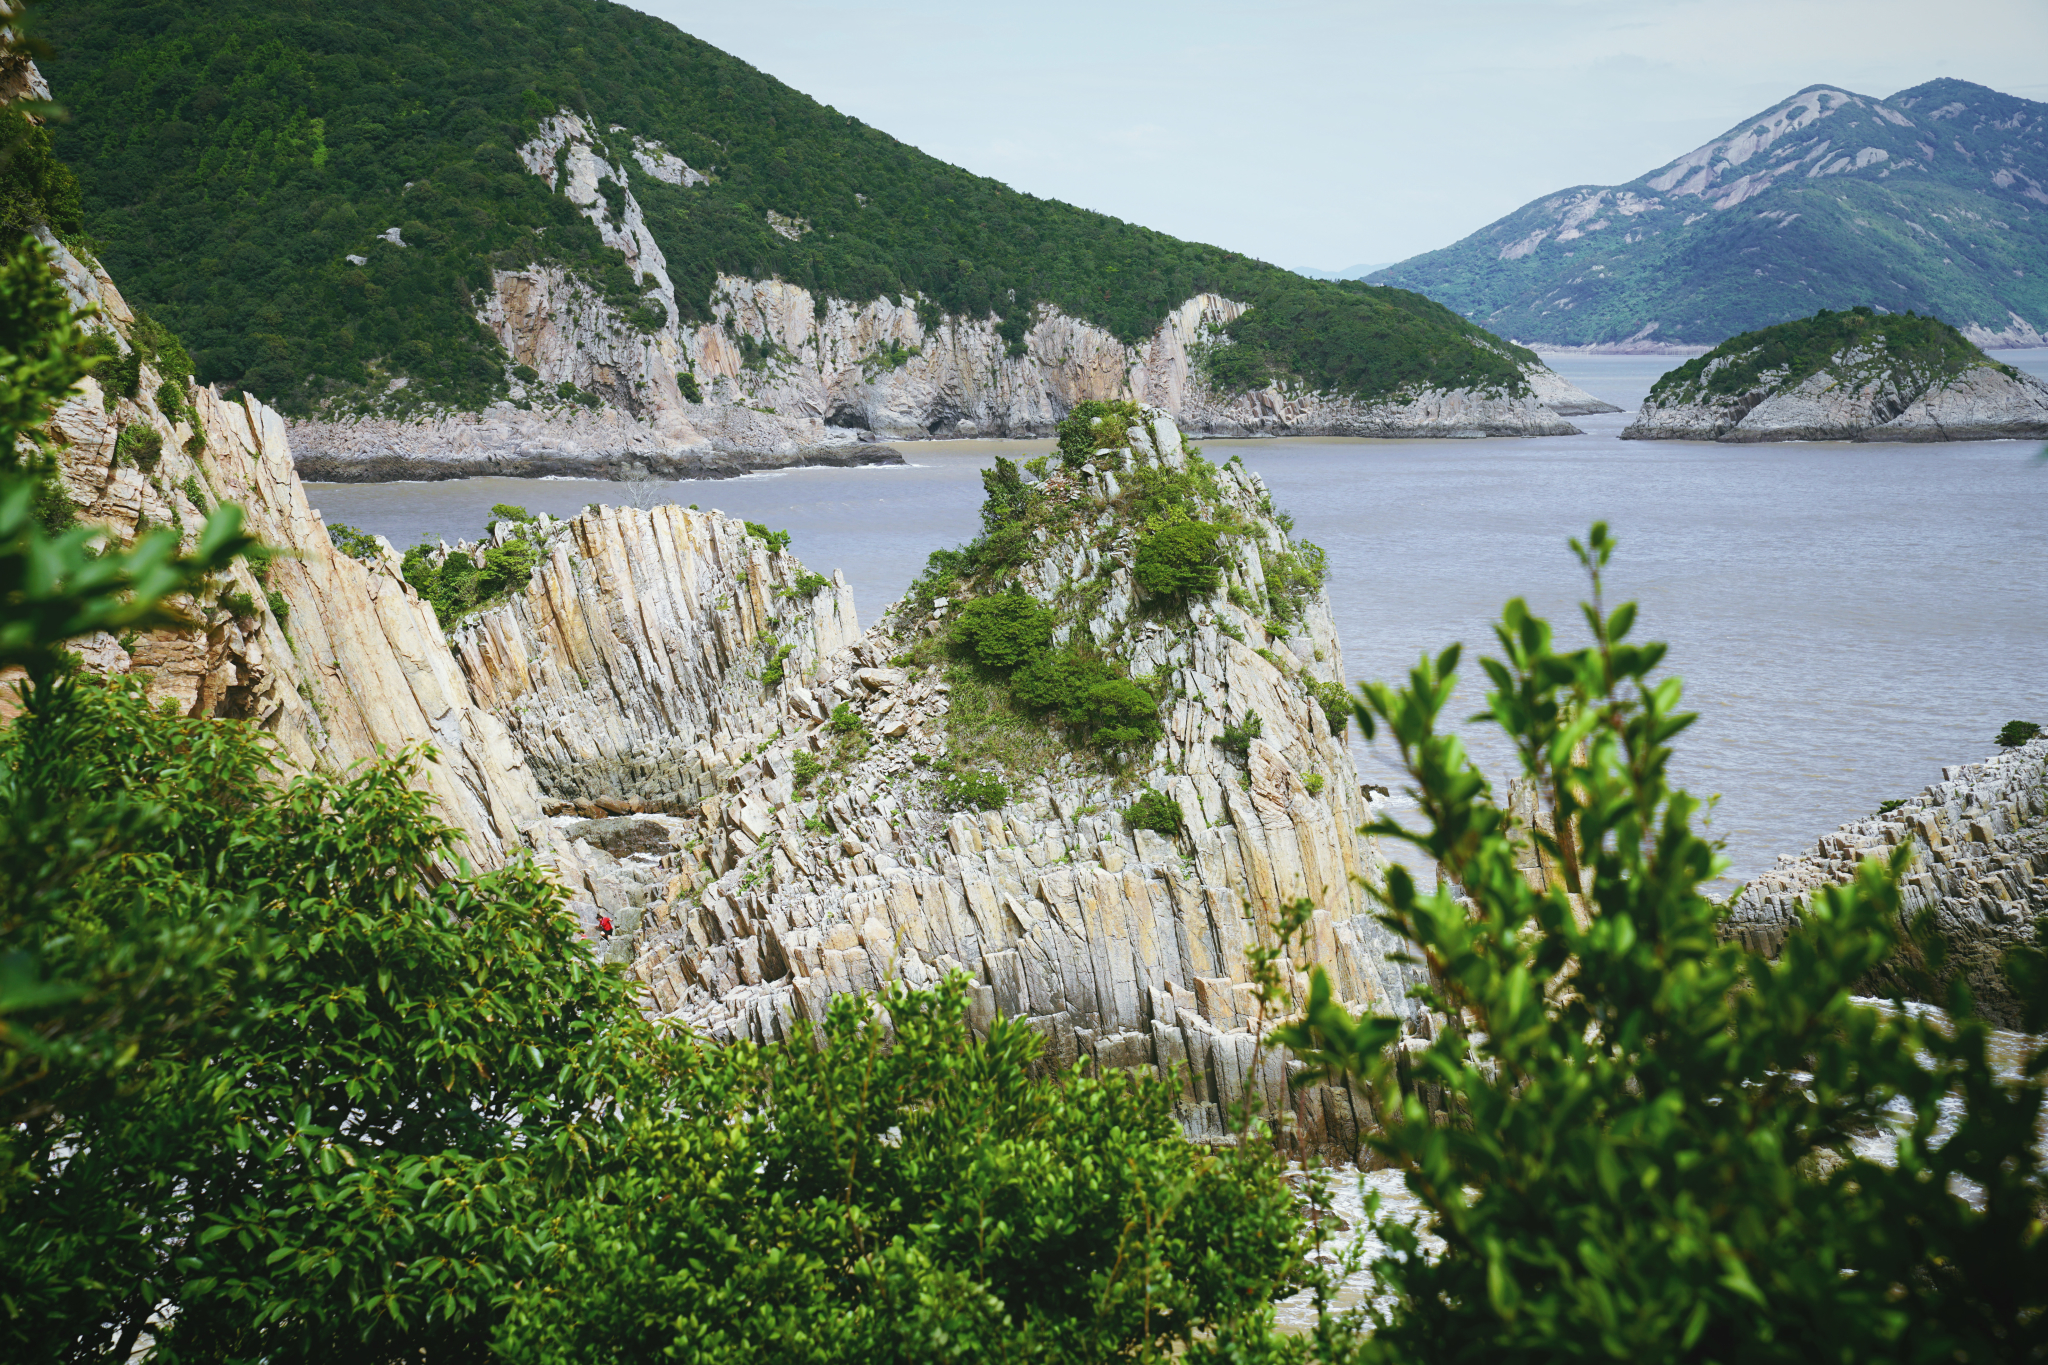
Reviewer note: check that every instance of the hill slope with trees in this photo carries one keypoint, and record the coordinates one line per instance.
(235, 156)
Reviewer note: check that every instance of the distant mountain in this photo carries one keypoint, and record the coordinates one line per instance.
(1349, 272)
(1934, 200)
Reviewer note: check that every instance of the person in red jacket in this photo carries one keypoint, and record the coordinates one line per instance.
(604, 927)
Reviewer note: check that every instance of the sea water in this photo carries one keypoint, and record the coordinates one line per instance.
(1847, 618)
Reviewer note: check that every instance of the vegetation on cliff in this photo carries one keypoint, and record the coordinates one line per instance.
(1857, 346)
(1923, 201)
(1169, 524)
(1646, 1146)
(234, 155)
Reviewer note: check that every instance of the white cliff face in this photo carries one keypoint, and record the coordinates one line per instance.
(804, 872)
(1859, 396)
(779, 371)
(1979, 839)
(345, 659)
(630, 667)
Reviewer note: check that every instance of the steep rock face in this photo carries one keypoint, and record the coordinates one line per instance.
(630, 666)
(819, 864)
(780, 371)
(1856, 396)
(1980, 863)
(333, 656)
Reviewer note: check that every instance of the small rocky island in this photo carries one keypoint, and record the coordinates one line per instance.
(1854, 376)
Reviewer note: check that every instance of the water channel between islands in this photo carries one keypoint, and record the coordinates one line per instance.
(1847, 618)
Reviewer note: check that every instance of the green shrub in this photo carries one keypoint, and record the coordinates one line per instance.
(805, 768)
(1005, 632)
(505, 511)
(776, 541)
(457, 586)
(279, 608)
(353, 543)
(1156, 811)
(140, 445)
(686, 384)
(238, 604)
(1634, 1136)
(973, 790)
(526, 374)
(1314, 783)
(1007, 498)
(773, 673)
(1096, 425)
(2016, 733)
(1335, 700)
(1180, 561)
(1236, 740)
(1293, 577)
(1887, 807)
(844, 721)
(1095, 703)
(807, 584)
(194, 494)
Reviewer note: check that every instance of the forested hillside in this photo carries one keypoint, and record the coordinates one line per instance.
(1934, 200)
(235, 155)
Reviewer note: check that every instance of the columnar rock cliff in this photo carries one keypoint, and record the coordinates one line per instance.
(1980, 864)
(632, 664)
(798, 860)
(780, 371)
(335, 657)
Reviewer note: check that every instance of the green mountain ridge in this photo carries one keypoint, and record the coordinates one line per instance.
(244, 164)
(1934, 200)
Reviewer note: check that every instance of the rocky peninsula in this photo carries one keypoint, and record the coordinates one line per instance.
(769, 805)
(1854, 376)
(1980, 869)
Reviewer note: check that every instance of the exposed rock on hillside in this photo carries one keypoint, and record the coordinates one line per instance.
(833, 850)
(1844, 377)
(334, 656)
(1980, 863)
(782, 372)
(630, 668)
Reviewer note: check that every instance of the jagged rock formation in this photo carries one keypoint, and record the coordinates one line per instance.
(629, 671)
(815, 866)
(1863, 385)
(334, 657)
(1980, 864)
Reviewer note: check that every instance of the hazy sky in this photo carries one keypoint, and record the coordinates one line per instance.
(1324, 134)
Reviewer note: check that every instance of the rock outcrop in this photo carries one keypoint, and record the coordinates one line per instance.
(1980, 864)
(815, 861)
(605, 444)
(780, 371)
(1758, 388)
(335, 657)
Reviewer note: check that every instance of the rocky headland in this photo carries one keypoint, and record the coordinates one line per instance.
(1980, 869)
(1856, 376)
(767, 802)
